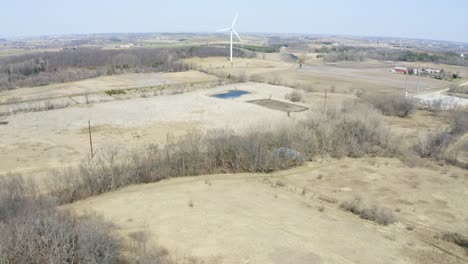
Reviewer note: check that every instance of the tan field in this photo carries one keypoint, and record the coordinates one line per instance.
(40, 141)
(294, 216)
(369, 77)
(102, 84)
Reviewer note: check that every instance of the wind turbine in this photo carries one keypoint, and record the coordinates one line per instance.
(233, 31)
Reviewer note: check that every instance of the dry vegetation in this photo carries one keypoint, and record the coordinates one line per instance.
(354, 130)
(458, 89)
(71, 65)
(380, 215)
(436, 144)
(294, 96)
(392, 105)
(35, 230)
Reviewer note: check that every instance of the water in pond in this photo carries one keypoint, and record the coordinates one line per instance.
(230, 94)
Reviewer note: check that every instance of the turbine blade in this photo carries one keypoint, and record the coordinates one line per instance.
(224, 29)
(237, 35)
(234, 22)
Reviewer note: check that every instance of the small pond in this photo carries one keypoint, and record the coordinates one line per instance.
(230, 94)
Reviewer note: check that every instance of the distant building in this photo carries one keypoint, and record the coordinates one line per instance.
(462, 55)
(400, 70)
(125, 46)
(432, 71)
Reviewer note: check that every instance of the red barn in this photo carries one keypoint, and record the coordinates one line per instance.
(401, 70)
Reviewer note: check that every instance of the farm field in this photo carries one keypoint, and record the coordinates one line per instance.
(367, 77)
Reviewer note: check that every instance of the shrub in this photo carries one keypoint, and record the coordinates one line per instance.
(294, 96)
(115, 92)
(436, 144)
(459, 122)
(46, 235)
(433, 144)
(15, 196)
(381, 216)
(354, 130)
(391, 105)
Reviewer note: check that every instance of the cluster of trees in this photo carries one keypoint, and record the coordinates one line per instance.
(70, 65)
(392, 105)
(350, 53)
(34, 230)
(265, 49)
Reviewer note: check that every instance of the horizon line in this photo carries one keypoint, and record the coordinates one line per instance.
(218, 33)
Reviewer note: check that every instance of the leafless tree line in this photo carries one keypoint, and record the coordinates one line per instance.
(353, 53)
(70, 65)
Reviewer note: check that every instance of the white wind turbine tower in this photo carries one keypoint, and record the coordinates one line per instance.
(231, 29)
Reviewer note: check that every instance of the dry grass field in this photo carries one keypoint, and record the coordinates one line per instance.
(294, 216)
(39, 141)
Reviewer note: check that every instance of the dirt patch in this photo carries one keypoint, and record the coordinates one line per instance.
(278, 105)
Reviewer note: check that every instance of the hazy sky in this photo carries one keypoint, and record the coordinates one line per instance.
(429, 19)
